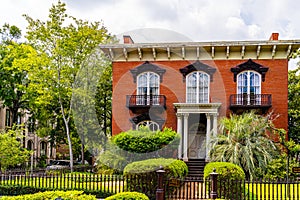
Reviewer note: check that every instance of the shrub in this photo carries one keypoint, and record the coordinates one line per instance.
(277, 168)
(69, 195)
(231, 174)
(142, 175)
(13, 190)
(225, 170)
(128, 196)
(136, 145)
(173, 167)
(144, 140)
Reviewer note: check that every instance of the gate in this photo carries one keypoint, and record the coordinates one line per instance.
(188, 188)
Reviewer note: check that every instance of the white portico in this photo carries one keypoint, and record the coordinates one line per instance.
(196, 123)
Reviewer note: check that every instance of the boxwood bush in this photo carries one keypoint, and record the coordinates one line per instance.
(230, 173)
(13, 190)
(136, 145)
(128, 196)
(52, 195)
(142, 176)
(144, 140)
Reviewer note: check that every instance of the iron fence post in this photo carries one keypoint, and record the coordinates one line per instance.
(214, 180)
(160, 194)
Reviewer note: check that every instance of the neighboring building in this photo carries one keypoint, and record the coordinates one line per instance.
(189, 86)
(40, 146)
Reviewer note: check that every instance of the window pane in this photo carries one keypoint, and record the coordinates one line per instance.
(248, 82)
(197, 88)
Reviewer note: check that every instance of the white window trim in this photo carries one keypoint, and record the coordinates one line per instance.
(197, 89)
(248, 81)
(148, 82)
(148, 74)
(258, 98)
(148, 123)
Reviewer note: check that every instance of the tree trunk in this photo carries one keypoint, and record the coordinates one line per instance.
(82, 154)
(69, 143)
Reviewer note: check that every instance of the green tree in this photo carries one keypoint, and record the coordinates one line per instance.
(15, 59)
(11, 151)
(103, 100)
(68, 42)
(10, 33)
(294, 104)
(245, 140)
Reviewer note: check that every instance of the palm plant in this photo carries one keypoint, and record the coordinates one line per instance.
(245, 140)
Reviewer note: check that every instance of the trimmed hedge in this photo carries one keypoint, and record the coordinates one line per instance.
(145, 140)
(68, 195)
(229, 173)
(225, 170)
(13, 190)
(173, 167)
(128, 196)
(142, 176)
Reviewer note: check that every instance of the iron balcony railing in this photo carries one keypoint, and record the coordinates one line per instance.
(250, 100)
(145, 101)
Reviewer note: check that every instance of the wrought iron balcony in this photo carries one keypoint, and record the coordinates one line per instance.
(250, 101)
(134, 102)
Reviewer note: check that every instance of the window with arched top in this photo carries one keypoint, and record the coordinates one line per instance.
(249, 87)
(43, 148)
(148, 88)
(153, 126)
(197, 87)
(29, 145)
(249, 82)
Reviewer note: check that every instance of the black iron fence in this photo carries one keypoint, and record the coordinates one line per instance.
(260, 189)
(170, 188)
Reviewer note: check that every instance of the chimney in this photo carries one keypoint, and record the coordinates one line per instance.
(274, 36)
(127, 39)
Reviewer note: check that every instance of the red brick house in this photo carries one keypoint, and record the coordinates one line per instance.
(189, 86)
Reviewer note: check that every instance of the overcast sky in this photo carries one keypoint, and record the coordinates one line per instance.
(173, 20)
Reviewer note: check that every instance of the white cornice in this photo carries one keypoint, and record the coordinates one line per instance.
(197, 107)
(274, 49)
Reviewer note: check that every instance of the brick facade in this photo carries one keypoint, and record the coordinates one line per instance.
(173, 87)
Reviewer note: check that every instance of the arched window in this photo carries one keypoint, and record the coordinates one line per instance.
(249, 86)
(29, 145)
(43, 148)
(148, 88)
(153, 126)
(197, 87)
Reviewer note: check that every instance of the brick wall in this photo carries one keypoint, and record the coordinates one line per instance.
(173, 87)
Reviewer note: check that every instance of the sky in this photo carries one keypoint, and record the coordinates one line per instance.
(172, 20)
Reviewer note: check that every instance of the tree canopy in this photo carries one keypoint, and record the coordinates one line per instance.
(15, 60)
(11, 151)
(67, 43)
(294, 104)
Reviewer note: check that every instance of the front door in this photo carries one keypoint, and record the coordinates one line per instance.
(197, 141)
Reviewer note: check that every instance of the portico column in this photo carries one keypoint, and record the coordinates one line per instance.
(185, 136)
(179, 131)
(208, 133)
(215, 127)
